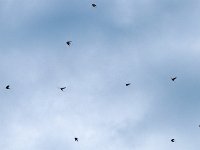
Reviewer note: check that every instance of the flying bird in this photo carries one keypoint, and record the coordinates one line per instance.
(62, 88)
(172, 140)
(94, 5)
(76, 139)
(127, 84)
(8, 87)
(69, 42)
(174, 78)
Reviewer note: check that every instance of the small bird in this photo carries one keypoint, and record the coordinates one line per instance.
(76, 139)
(199, 126)
(172, 140)
(8, 87)
(174, 78)
(127, 84)
(69, 42)
(94, 5)
(62, 88)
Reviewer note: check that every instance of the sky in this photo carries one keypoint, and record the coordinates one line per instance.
(144, 43)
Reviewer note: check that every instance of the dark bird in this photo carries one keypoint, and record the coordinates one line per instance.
(69, 42)
(172, 140)
(62, 88)
(174, 78)
(199, 126)
(94, 5)
(76, 139)
(8, 87)
(127, 84)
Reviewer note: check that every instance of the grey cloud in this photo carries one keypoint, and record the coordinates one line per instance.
(142, 42)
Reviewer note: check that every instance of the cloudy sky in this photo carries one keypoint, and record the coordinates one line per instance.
(144, 42)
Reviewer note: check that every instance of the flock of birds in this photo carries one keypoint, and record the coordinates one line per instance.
(127, 84)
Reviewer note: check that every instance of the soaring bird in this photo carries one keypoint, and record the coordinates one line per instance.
(174, 78)
(69, 42)
(127, 84)
(172, 140)
(94, 5)
(8, 87)
(76, 139)
(62, 88)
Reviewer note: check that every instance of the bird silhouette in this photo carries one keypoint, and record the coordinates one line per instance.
(76, 139)
(8, 87)
(172, 140)
(127, 84)
(69, 42)
(62, 88)
(174, 78)
(94, 5)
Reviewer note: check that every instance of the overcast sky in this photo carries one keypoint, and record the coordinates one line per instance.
(144, 42)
